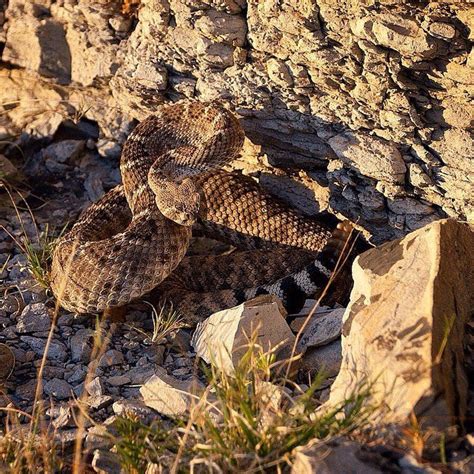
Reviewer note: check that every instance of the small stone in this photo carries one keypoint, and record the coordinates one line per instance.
(57, 350)
(322, 329)
(151, 75)
(106, 462)
(120, 24)
(78, 375)
(279, 73)
(168, 395)
(100, 401)
(155, 353)
(181, 372)
(409, 206)
(34, 317)
(95, 387)
(134, 408)
(58, 388)
(62, 417)
(27, 390)
(325, 359)
(442, 30)
(81, 345)
(318, 457)
(118, 380)
(7, 168)
(139, 375)
(98, 437)
(111, 357)
(66, 319)
(373, 157)
(180, 340)
(66, 150)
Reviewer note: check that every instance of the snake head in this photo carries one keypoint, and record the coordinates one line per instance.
(179, 200)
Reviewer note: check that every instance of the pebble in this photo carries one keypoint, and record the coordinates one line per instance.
(111, 357)
(134, 407)
(58, 388)
(57, 350)
(95, 387)
(118, 380)
(100, 401)
(81, 345)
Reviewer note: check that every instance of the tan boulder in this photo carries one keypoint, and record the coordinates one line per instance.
(403, 330)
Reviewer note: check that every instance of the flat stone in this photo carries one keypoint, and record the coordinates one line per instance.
(78, 375)
(403, 331)
(170, 396)
(106, 462)
(95, 387)
(57, 350)
(135, 408)
(34, 318)
(318, 457)
(97, 402)
(27, 390)
(118, 380)
(81, 345)
(98, 437)
(63, 151)
(111, 357)
(404, 35)
(58, 388)
(223, 337)
(322, 329)
(324, 359)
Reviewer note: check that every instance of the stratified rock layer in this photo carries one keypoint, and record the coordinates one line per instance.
(364, 105)
(403, 334)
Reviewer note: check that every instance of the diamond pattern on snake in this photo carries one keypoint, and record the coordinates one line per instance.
(135, 238)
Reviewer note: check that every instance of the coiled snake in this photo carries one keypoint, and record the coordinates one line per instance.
(135, 238)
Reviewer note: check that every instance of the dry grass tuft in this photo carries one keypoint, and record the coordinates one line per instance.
(37, 248)
(249, 421)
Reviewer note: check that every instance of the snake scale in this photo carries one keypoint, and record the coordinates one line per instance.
(134, 239)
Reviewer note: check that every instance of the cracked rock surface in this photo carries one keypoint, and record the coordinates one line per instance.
(367, 103)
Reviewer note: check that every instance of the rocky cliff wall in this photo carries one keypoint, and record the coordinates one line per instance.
(365, 107)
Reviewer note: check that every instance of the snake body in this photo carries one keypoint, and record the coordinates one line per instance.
(135, 238)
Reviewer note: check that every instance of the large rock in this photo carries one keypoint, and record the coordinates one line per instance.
(224, 337)
(37, 44)
(403, 330)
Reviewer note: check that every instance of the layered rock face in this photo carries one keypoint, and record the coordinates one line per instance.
(364, 106)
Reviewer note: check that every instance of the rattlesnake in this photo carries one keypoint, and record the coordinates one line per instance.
(135, 238)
